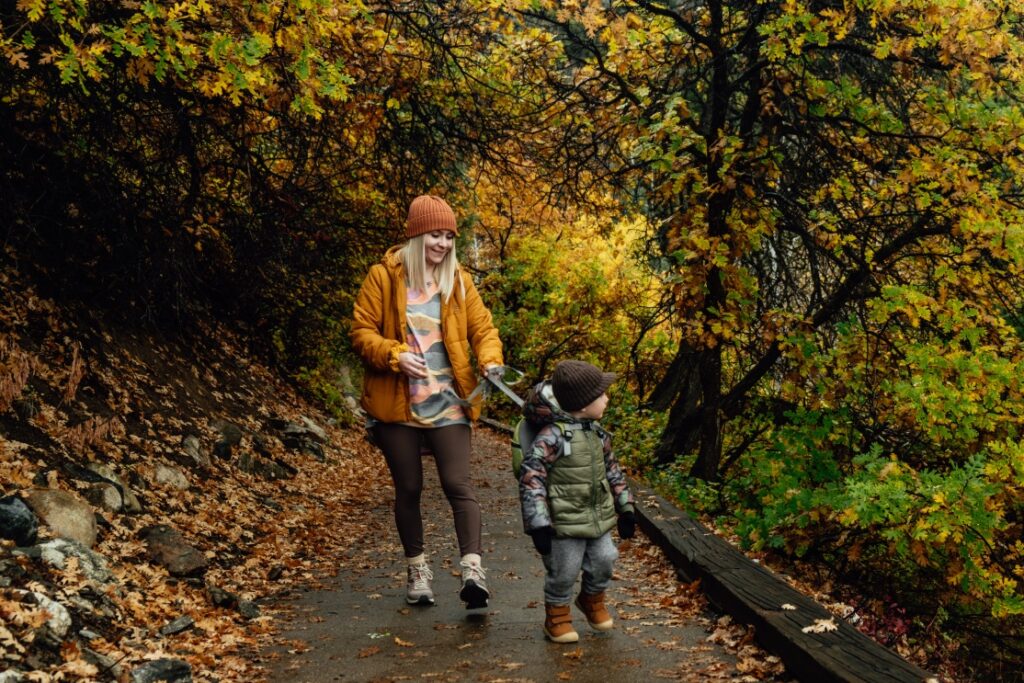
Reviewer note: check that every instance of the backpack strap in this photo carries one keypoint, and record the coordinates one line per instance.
(567, 429)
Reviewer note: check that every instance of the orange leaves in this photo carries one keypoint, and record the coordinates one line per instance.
(16, 366)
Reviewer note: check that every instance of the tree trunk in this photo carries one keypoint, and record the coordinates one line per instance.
(680, 434)
(710, 455)
(675, 381)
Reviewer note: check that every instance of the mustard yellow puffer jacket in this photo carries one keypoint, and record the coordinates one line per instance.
(378, 336)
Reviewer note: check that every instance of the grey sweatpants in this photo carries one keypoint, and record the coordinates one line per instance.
(595, 556)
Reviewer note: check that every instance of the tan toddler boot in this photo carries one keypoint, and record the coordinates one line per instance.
(558, 624)
(593, 607)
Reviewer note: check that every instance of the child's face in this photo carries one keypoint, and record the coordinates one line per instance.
(595, 409)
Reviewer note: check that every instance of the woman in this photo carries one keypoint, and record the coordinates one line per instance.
(416, 318)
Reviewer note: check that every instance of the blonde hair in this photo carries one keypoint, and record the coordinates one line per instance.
(413, 258)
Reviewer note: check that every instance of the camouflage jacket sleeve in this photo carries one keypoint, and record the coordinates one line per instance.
(533, 478)
(616, 479)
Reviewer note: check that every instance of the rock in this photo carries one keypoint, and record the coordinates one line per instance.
(230, 433)
(101, 661)
(11, 676)
(193, 449)
(11, 572)
(228, 600)
(92, 564)
(163, 671)
(263, 444)
(230, 436)
(67, 515)
(275, 572)
(261, 467)
(221, 598)
(60, 619)
(312, 448)
(182, 623)
(129, 501)
(105, 496)
(248, 609)
(168, 547)
(17, 521)
(170, 476)
(305, 437)
(313, 428)
(80, 604)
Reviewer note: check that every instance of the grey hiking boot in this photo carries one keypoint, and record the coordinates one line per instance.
(417, 587)
(474, 586)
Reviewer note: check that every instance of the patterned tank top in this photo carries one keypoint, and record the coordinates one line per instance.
(423, 335)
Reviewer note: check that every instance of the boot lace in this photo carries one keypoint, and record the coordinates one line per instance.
(473, 571)
(421, 576)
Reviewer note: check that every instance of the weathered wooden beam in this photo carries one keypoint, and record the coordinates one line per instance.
(754, 595)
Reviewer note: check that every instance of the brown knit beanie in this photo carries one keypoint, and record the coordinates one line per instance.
(577, 383)
(428, 213)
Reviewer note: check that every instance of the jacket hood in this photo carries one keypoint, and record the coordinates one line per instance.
(542, 407)
(390, 258)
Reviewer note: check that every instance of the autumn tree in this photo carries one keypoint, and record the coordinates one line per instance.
(838, 190)
(244, 159)
(795, 153)
(566, 282)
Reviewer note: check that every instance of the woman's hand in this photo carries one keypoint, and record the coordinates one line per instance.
(413, 365)
(494, 370)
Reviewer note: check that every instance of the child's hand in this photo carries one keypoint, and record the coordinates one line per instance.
(627, 525)
(542, 539)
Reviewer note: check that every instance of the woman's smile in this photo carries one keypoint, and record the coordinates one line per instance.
(436, 245)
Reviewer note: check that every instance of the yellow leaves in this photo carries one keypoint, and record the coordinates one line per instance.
(34, 9)
(848, 516)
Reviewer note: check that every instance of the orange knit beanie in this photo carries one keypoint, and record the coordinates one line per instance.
(428, 213)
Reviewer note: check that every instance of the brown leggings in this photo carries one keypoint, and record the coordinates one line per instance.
(451, 448)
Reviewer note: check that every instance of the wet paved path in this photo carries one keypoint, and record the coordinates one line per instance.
(360, 629)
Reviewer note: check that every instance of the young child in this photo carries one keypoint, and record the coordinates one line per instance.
(573, 493)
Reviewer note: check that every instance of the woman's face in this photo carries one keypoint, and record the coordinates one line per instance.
(436, 246)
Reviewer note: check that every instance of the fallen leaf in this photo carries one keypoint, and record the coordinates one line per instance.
(368, 651)
(403, 643)
(786, 605)
(820, 626)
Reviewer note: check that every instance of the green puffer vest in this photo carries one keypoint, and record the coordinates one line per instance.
(579, 496)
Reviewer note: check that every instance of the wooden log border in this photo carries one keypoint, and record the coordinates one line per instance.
(753, 595)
